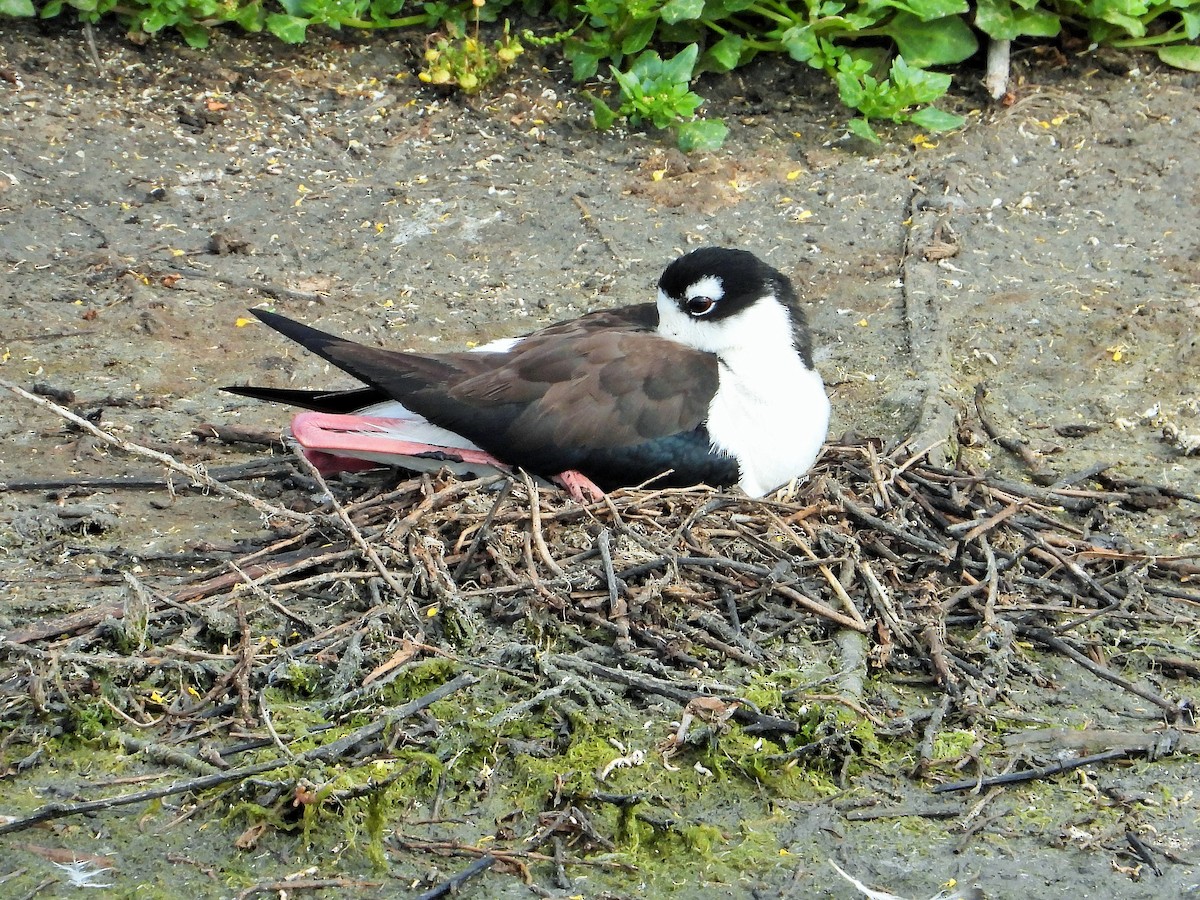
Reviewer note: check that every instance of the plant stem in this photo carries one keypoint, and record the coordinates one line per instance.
(1175, 35)
(780, 17)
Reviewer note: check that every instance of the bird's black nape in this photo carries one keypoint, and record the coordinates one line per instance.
(739, 268)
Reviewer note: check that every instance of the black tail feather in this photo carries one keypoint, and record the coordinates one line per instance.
(310, 339)
(319, 401)
(322, 344)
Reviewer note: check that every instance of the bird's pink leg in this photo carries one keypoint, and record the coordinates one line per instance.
(581, 488)
(331, 464)
(327, 438)
(348, 434)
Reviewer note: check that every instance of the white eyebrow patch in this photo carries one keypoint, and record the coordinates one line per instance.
(709, 286)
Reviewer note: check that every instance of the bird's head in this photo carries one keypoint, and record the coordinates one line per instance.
(727, 301)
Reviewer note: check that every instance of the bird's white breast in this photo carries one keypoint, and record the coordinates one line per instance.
(772, 416)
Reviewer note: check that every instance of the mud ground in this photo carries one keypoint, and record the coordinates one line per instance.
(147, 203)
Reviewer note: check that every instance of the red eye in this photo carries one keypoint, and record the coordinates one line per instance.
(700, 306)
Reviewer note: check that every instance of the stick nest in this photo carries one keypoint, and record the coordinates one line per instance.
(663, 604)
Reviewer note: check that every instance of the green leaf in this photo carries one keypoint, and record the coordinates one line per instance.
(584, 64)
(862, 128)
(681, 105)
(648, 65)
(678, 69)
(603, 115)
(16, 8)
(917, 86)
(677, 10)
(154, 22)
(925, 10)
(933, 119)
(630, 82)
(726, 53)
(929, 10)
(702, 134)
(800, 41)
(852, 82)
(638, 36)
(289, 29)
(195, 35)
(1191, 22)
(52, 9)
(941, 42)
(1181, 56)
(1002, 21)
(1122, 13)
(250, 17)
(716, 10)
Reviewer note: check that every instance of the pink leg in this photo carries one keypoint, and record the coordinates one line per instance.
(581, 488)
(331, 464)
(327, 437)
(338, 434)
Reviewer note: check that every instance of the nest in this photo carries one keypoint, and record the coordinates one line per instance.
(884, 564)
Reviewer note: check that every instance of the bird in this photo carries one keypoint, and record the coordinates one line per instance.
(712, 382)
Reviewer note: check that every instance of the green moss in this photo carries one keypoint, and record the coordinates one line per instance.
(573, 771)
(1035, 815)
(954, 744)
(765, 690)
(88, 722)
(288, 715)
(671, 855)
(419, 679)
(379, 811)
(304, 677)
(702, 839)
(246, 813)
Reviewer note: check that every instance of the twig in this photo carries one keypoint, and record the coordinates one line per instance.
(618, 609)
(834, 584)
(367, 549)
(1056, 768)
(264, 713)
(260, 468)
(481, 533)
(1037, 469)
(453, 884)
(888, 528)
(535, 525)
(1172, 710)
(193, 473)
(1144, 853)
(238, 434)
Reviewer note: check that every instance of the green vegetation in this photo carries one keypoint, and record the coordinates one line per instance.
(882, 54)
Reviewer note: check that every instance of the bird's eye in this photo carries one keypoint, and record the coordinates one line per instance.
(700, 306)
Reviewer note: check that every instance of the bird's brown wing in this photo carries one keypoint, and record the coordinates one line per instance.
(603, 390)
(608, 388)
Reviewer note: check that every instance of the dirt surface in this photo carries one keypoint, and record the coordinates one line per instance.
(1050, 250)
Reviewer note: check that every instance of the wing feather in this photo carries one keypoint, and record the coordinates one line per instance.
(561, 397)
